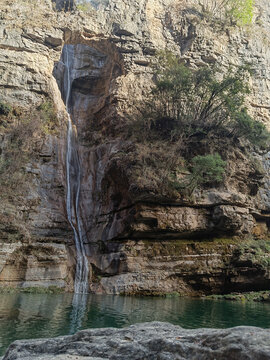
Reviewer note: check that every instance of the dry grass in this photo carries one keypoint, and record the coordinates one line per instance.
(22, 132)
(27, 14)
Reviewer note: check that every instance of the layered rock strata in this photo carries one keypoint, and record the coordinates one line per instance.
(134, 245)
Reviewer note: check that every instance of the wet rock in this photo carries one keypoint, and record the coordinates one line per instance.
(151, 341)
(133, 247)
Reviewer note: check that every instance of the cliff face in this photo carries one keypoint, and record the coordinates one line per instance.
(137, 241)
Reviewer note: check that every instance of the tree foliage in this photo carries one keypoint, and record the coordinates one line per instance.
(186, 103)
(242, 11)
(237, 11)
(207, 169)
(183, 124)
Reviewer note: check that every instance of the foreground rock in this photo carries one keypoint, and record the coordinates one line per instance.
(154, 340)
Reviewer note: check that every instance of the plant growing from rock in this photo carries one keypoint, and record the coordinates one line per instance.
(5, 109)
(48, 117)
(19, 143)
(207, 169)
(88, 5)
(257, 251)
(179, 127)
(186, 103)
(240, 12)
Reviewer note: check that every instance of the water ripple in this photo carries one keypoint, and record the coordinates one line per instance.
(24, 316)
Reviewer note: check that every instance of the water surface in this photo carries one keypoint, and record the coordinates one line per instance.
(24, 316)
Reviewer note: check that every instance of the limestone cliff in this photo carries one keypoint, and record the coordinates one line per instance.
(138, 239)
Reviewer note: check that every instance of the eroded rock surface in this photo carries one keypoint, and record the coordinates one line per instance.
(135, 244)
(151, 341)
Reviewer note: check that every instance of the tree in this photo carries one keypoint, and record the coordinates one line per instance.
(185, 103)
(191, 115)
(207, 169)
(238, 11)
(241, 11)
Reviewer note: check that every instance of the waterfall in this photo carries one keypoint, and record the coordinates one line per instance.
(73, 176)
(79, 305)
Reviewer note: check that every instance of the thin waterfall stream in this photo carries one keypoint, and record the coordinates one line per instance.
(73, 177)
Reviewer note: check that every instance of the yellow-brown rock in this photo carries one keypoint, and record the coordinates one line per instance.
(147, 245)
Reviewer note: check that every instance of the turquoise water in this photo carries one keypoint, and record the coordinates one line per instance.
(25, 316)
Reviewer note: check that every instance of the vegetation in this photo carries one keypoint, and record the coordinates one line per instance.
(207, 169)
(240, 12)
(261, 296)
(48, 117)
(84, 5)
(257, 251)
(185, 103)
(88, 5)
(21, 131)
(182, 126)
(251, 129)
(5, 109)
(179, 128)
(31, 290)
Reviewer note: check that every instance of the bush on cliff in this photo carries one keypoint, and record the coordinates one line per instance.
(186, 103)
(89, 5)
(205, 170)
(5, 109)
(21, 136)
(240, 12)
(48, 117)
(189, 115)
(254, 131)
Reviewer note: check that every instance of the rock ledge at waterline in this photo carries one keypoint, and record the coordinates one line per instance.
(156, 340)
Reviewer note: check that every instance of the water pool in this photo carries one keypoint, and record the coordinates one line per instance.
(24, 316)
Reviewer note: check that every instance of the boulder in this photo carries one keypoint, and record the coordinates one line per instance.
(149, 341)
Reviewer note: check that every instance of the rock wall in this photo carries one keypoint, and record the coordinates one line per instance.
(148, 246)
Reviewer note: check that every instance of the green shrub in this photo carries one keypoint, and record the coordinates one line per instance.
(208, 169)
(84, 6)
(190, 112)
(88, 5)
(240, 12)
(5, 109)
(185, 103)
(258, 251)
(251, 129)
(48, 117)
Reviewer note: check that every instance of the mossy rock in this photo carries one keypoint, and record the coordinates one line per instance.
(260, 296)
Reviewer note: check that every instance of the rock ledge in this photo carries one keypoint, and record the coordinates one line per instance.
(156, 340)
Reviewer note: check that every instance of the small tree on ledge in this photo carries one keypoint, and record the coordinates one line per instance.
(237, 11)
